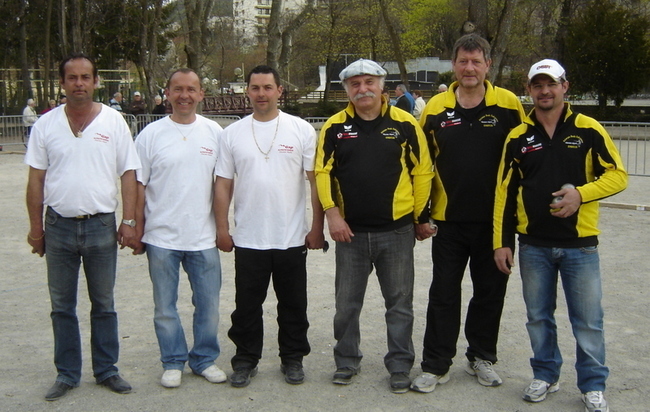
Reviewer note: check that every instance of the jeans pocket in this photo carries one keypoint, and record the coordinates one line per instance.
(107, 219)
(589, 250)
(51, 216)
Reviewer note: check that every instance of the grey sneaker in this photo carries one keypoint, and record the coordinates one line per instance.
(595, 402)
(427, 382)
(537, 390)
(482, 369)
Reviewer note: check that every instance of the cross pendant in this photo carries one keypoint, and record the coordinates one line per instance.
(267, 158)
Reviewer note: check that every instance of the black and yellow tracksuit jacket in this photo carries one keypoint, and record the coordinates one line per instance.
(377, 173)
(466, 147)
(534, 165)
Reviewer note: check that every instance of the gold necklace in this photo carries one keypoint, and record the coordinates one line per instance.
(79, 133)
(179, 130)
(266, 154)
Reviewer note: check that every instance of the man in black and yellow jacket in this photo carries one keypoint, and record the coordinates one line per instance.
(555, 168)
(373, 174)
(466, 127)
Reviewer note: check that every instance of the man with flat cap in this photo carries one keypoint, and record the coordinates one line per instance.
(555, 167)
(373, 174)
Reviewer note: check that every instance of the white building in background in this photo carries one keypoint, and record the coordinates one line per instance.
(421, 71)
(251, 18)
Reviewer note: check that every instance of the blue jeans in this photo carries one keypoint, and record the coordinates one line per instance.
(203, 269)
(391, 254)
(68, 243)
(580, 273)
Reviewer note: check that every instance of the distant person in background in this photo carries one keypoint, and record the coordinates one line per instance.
(419, 103)
(29, 116)
(51, 105)
(160, 107)
(442, 88)
(386, 93)
(116, 102)
(404, 99)
(137, 106)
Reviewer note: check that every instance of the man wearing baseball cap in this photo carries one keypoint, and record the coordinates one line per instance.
(555, 167)
(373, 174)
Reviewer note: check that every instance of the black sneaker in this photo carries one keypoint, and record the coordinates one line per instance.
(343, 376)
(399, 382)
(293, 373)
(242, 375)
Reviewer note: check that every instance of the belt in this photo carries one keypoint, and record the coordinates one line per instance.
(84, 217)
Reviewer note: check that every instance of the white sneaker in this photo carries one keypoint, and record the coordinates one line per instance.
(482, 369)
(214, 374)
(538, 389)
(427, 382)
(595, 402)
(171, 378)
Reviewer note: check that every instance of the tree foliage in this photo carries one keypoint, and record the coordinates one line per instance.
(608, 52)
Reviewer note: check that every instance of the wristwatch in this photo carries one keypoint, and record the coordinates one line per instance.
(129, 222)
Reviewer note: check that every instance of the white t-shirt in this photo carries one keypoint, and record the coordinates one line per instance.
(269, 193)
(82, 172)
(179, 175)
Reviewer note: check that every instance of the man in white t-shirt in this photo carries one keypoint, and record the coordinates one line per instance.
(269, 152)
(176, 223)
(75, 154)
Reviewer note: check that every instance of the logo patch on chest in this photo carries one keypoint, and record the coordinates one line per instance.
(573, 142)
(390, 133)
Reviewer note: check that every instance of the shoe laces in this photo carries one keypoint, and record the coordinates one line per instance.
(595, 397)
(482, 364)
(538, 384)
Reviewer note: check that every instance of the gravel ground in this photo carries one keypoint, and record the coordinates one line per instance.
(26, 341)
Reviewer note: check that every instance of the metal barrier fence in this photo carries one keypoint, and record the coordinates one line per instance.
(317, 122)
(137, 123)
(632, 139)
(13, 134)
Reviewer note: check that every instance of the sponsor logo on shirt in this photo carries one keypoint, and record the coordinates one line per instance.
(206, 151)
(449, 123)
(532, 146)
(489, 120)
(573, 142)
(347, 133)
(102, 138)
(283, 148)
(390, 133)
(450, 115)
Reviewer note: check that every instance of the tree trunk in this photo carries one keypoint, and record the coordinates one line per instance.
(500, 41)
(477, 13)
(24, 63)
(278, 51)
(48, 84)
(75, 22)
(562, 30)
(197, 13)
(274, 36)
(395, 40)
(63, 29)
(155, 21)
